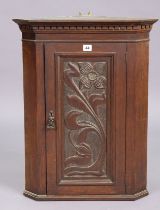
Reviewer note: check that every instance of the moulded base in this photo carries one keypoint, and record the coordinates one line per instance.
(122, 197)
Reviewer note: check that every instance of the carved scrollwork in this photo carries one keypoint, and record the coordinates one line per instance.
(85, 86)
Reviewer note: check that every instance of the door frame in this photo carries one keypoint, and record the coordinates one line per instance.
(51, 51)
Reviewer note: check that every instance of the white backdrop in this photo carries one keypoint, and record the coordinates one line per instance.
(11, 99)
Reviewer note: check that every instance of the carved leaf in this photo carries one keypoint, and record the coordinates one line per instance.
(73, 71)
(100, 82)
(74, 68)
(71, 120)
(77, 102)
(83, 150)
(81, 138)
(83, 156)
(76, 160)
(96, 100)
(68, 78)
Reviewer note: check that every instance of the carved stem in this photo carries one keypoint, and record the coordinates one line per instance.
(92, 112)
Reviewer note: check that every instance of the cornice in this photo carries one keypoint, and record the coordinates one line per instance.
(85, 26)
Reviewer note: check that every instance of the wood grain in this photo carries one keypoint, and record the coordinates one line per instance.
(59, 78)
(136, 118)
(34, 111)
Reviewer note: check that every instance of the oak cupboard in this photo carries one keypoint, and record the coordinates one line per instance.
(85, 105)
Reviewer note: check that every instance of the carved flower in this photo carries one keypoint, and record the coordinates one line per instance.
(90, 77)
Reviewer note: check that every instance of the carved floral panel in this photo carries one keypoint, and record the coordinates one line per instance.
(85, 114)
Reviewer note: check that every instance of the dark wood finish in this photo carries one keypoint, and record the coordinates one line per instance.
(85, 112)
(34, 111)
(116, 73)
(136, 116)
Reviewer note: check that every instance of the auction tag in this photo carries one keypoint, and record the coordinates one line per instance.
(87, 47)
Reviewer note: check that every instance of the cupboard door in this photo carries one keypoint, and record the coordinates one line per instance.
(86, 95)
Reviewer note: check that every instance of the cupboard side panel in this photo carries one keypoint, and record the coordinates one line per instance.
(34, 113)
(136, 118)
